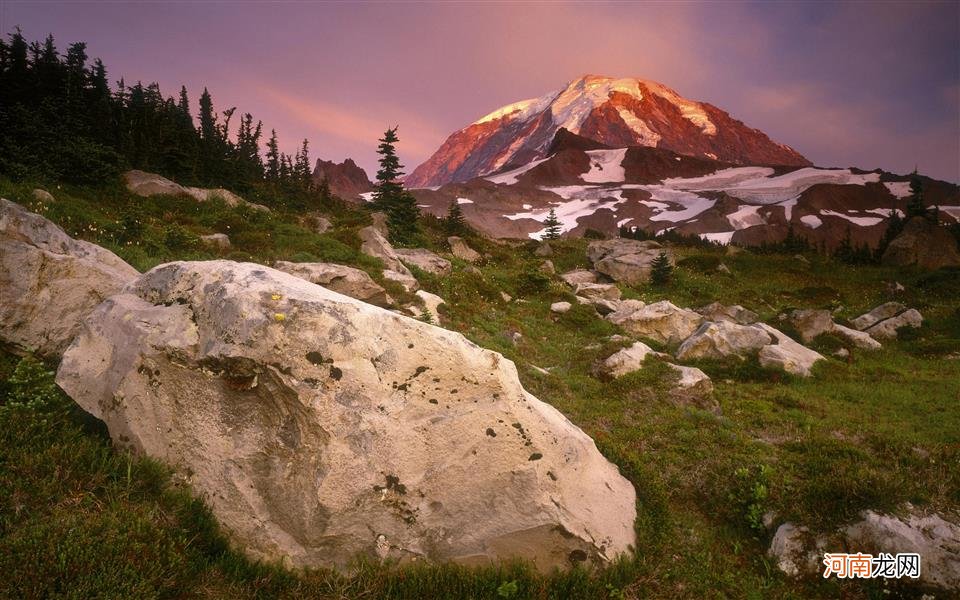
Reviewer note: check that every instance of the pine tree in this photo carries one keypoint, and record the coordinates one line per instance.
(553, 226)
(661, 271)
(273, 157)
(915, 207)
(302, 165)
(455, 224)
(390, 197)
(894, 228)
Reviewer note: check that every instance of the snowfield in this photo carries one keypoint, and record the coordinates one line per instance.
(606, 166)
(811, 221)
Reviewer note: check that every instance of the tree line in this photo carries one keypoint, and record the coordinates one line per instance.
(61, 120)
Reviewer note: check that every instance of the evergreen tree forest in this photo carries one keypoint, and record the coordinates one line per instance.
(61, 119)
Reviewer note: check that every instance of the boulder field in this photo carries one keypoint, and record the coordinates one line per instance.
(319, 427)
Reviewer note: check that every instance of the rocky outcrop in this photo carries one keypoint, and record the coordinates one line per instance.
(460, 249)
(319, 427)
(734, 313)
(49, 281)
(339, 278)
(424, 260)
(884, 311)
(625, 260)
(597, 291)
(146, 184)
(374, 244)
(661, 321)
(577, 276)
(923, 243)
(627, 360)
(722, 339)
(346, 179)
(887, 329)
(860, 339)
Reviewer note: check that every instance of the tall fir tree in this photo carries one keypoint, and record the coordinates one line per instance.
(915, 207)
(273, 157)
(553, 226)
(661, 271)
(389, 196)
(455, 223)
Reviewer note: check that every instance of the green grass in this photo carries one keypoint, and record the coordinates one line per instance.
(80, 519)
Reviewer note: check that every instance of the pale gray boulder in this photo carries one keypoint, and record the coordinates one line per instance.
(339, 278)
(661, 321)
(424, 260)
(721, 339)
(887, 329)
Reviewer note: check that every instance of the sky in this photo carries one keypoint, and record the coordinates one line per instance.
(865, 84)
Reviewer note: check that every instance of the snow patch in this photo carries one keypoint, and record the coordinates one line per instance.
(811, 221)
(745, 216)
(788, 208)
(648, 137)
(859, 221)
(464, 201)
(722, 237)
(900, 189)
(755, 184)
(367, 196)
(510, 177)
(519, 110)
(953, 211)
(606, 166)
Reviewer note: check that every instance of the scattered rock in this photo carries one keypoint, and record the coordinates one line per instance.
(544, 249)
(220, 241)
(627, 360)
(374, 244)
(790, 547)
(626, 260)
(884, 311)
(605, 291)
(49, 281)
(923, 243)
(547, 267)
(146, 184)
(505, 296)
(406, 280)
(661, 321)
(721, 339)
(810, 323)
(602, 306)
(339, 278)
(859, 339)
(432, 302)
(841, 353)
(787, 354)
(42, 195)
(560, 307)
(579, 276)
(424, 260)
(801, 259)
(461, 250)
(734, 313)
(693, 379)
(722, 268)
(307, 418)
(887, 329)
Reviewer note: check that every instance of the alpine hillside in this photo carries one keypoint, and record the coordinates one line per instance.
(614, 112)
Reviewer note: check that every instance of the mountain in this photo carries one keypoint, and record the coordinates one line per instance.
(590, 186)
(346, 179)
(611, 112)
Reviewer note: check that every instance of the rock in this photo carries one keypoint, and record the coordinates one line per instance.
(923, 243)
(339, 278)
(375, 244)
(627, 360)
(547, 267)
(733, 250)
(884, 311)
(935, 539)
(605, 291)
(220, 241)
(801, 259)
(432, 302)
(42, 195)
(722, 268)
(693, 379)
(841, 353)
(49, 281)
(661, 321)
(626, 260)
(810, 323)
(624, 309)
(461, 250)
(790, 549)
(317, 223)
(539, 370)
(146, 184)
(572, 278)
(560, 307)
(406, 280)
(721, 339)
(315, 430)
(895, 287)
(544, 249)
(859, 339)
(424, 260)
(787, 354)
(380, 223)
(505, 296)
(734, 313)
(887, 329)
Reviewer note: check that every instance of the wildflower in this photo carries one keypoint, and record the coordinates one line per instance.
(279, 317)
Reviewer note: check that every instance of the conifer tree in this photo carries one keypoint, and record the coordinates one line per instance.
(273, 157)
(915, 207)
(455, 224)
(390, 197)
(553, 226)
(302, 165)
(661, 271)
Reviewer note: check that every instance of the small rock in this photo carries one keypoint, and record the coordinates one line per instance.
(547, 267)
(560, 307)
(884, 311)
(887, 329)
(787, 354)
(317, 223)
(505, 297)
(841, 353)
(811, 323)
(461, 250)
(860, 339)
(380, 223)
(544, 249)
(579, 276)
(220, 241)
(606, 291)
(42, 195)
(723, 269)
(628, 360)
(692, 379)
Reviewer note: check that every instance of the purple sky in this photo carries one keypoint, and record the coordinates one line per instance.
(850, 84)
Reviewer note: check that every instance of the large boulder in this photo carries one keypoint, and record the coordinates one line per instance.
(339, 278)
(578, 276)
(146, 184)
(461, 250)
(49, 281)
(600, 291)
(810, 323)
(860, 339)
(721, 339)
(319, 427)
(424, 260)
(786, 354)
(626, 260)
(884, 311)
(923, 243)
(887, 329)
(734, 313)
(373, 243)
(661, 321)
